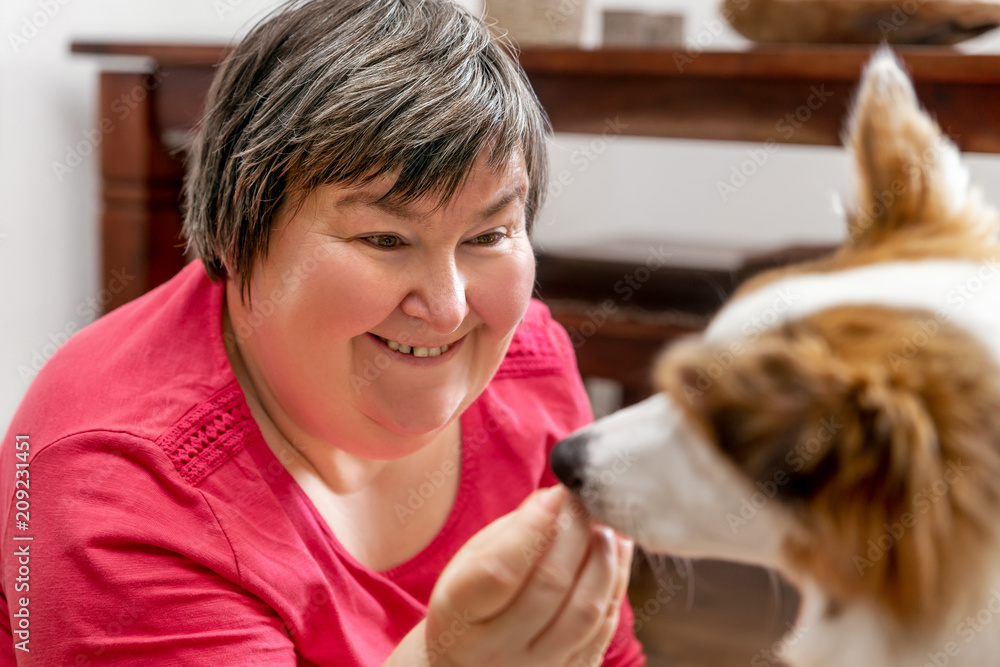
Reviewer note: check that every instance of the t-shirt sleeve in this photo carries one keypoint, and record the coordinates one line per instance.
(121, 563)
(625, 650)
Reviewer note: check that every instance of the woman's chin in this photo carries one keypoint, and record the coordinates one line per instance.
(416, 421)
(416, 426)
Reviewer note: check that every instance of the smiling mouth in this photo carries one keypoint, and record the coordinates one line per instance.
(413, 350)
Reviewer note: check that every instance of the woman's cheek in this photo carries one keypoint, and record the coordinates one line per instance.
(523, 277)
(349, 293)
(506, 290)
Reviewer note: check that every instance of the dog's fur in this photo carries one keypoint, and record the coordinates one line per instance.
(839, 421)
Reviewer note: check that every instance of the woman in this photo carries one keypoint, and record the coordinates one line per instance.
(284, 455)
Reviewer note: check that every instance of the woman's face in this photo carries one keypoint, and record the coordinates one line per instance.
(372, 327)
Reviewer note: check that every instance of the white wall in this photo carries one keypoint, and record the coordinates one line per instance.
(669, 190)
(49, 222)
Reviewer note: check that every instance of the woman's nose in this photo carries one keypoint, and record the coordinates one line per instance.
(439, 298)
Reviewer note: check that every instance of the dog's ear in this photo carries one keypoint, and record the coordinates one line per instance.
(908, 171)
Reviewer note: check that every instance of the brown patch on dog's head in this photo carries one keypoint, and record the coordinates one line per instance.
(871, 425)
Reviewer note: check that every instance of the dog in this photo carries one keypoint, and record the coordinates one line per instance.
(839, 421)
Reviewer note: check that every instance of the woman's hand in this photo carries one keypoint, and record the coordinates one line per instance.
(541, 586)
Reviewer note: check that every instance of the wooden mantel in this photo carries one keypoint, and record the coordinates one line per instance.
(795, 94)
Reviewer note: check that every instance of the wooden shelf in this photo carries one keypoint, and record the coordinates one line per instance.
(720, 95)
(752, 95)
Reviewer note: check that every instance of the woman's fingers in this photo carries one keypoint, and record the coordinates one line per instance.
(582, 616)
(565, 549)
(490, 570)
(626, 549)
(541, 586)
(593, 653)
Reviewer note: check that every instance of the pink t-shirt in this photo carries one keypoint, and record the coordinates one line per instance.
(147, 521)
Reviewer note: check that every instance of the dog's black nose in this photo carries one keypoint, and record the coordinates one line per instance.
(568, 459)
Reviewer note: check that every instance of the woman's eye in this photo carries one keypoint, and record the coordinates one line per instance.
(490, 238)
(384, 241)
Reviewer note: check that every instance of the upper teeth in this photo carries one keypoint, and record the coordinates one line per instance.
(416, 351)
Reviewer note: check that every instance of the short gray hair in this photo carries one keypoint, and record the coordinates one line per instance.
(346, 91)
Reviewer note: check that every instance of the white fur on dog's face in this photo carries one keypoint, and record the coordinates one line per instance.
(651, 474)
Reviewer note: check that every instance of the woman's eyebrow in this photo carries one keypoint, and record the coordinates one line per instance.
(401, 210)
(389, 206)
(517, 192)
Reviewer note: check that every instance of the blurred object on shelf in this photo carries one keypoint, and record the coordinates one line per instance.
(642, 29)
(861, 21)
(539, 22)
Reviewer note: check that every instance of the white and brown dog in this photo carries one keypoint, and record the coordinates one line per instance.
(839, 421)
